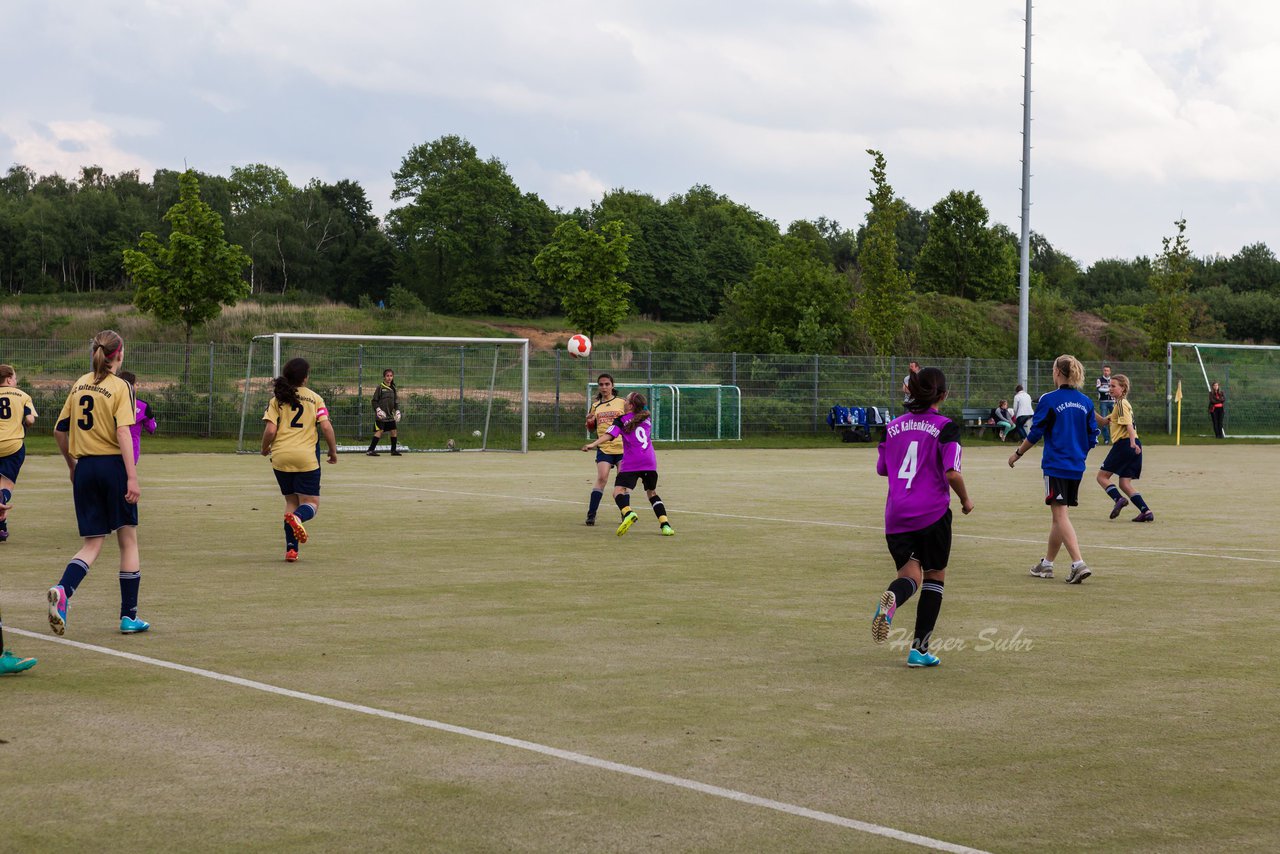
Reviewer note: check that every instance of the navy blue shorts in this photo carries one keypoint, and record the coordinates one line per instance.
(611, 459)
(12, 464)
(298, 482)
(99, 485)
(1123, 461)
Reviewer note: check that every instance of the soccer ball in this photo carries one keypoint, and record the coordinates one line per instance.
(579, 346)
(539, 435)
(475, 433)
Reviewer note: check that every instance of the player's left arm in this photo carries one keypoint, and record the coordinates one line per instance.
(29, 414)
(326, 429)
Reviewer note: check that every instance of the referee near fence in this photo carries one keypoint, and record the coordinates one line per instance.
(386, 413)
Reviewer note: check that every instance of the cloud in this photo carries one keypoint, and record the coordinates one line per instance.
(66, 146)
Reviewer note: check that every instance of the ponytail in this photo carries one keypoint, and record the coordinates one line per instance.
(639, 411)
(295, 373)
(106, 347)
(926, 386)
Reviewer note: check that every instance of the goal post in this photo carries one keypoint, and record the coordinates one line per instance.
(688, 412)
(1249, 374)
(455, 394)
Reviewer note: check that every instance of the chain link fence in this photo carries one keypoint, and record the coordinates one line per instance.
(200, 394)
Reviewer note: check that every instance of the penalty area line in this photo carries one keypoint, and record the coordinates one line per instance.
(521, 744)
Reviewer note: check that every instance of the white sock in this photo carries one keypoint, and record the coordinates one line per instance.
(1045, 562)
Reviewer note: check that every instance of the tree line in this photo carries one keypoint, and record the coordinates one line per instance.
(463, 238)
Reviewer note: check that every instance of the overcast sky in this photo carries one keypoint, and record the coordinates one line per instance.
(1144, 111)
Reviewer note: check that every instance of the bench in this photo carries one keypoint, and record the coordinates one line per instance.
(977, 419)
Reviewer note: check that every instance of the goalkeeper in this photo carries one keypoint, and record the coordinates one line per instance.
(386, 412)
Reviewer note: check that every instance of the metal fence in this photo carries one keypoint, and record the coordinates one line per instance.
(780, 394)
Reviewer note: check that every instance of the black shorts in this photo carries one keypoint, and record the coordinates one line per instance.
(389, 424)
(1061, 490)
(98, 486)
(1123, 461)
(12, 464)
(298, 482)
(627, 479)
(930, 546)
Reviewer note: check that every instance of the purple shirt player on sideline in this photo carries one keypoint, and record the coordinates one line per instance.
(918, 451)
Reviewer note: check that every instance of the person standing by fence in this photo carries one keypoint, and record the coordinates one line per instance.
(1022, 411)
(1103, 385)
(386, 413)
(1217, 409)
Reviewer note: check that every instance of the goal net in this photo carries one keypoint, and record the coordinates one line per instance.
(1249, 376)
(463, 394)
(685, 412)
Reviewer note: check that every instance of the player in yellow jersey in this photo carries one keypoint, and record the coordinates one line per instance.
(1125, 457)
(296, 417)
(17, 413)
(93, 434)
(605, 407)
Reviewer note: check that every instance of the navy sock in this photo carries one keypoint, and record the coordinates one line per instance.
(927, 614)
(6, 495)
(903, 589)
(73, 575)
(305, 512)
(1142, 505)
(290, 541)
(129, 584)
(1113, 491)
(596, 495)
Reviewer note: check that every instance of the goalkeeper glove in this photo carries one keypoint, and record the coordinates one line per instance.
(382, 416)
(397, 414)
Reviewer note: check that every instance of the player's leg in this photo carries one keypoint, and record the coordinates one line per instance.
(72, 576)
(377, 434)
(6, 503)
(1119, 502)
(597, 491)
(1144, 510)
(655, 501)
(130, 581)
(394, 439)
(902, 588)
(927, 619)
(10, 663)
(625, 482)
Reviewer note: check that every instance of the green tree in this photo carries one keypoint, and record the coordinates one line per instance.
(189, 279)
(467, 235)
(1168, 314)
(886, 288)
(793, 303)
(962, 256)
(583, 267)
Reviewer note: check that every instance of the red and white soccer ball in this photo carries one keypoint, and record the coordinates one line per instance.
(579, 346)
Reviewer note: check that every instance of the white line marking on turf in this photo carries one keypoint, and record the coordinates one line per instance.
(823, 523)
(567, 755)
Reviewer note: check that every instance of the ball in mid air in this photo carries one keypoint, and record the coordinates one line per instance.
(579, 346)
(539, 435)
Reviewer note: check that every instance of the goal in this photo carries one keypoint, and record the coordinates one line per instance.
(688, 412)
(1249, 375)
(455, 394)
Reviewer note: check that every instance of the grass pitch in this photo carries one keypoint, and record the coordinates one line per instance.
(1133, 712)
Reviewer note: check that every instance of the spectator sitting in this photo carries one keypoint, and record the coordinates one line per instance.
(1002, 417)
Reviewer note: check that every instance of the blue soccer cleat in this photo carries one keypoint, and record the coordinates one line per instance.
(10, 663)
(885, 609)
(58, 609)
(131, 626)
(916, 658)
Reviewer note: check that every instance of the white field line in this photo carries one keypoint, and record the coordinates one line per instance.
(521, 744)
(822, 523)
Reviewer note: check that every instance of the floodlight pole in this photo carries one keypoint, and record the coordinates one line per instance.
(1024, 265)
